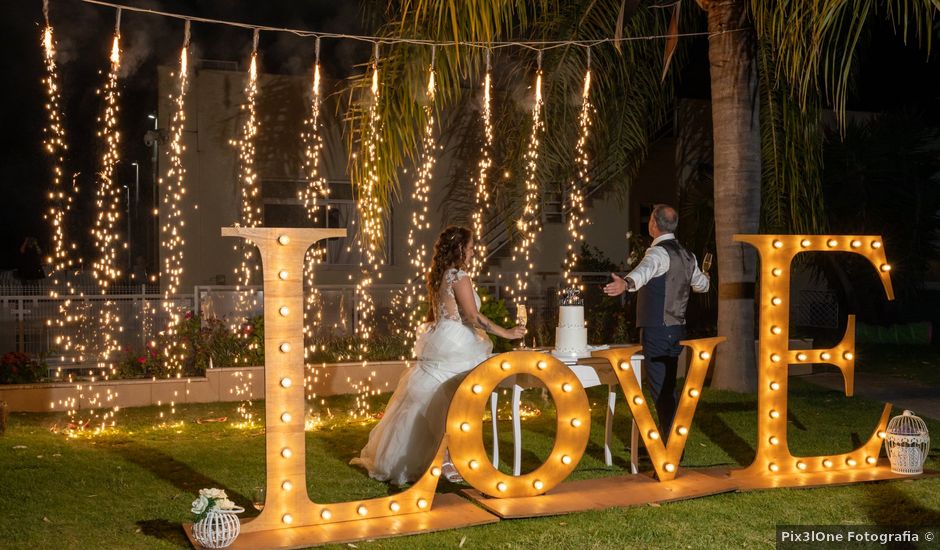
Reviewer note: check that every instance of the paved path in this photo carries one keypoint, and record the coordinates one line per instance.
(924, 400)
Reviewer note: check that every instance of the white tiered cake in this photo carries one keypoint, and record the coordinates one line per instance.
(571, 334)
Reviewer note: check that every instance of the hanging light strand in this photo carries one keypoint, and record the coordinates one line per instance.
(174, 188)
(529, 223)
(316, 187)
(313, 140)
(60, 198)
(577, 185)
(108, 207)
(55, 146)
(248, 180)
(482, 194)
(418, 249)
(370, 214)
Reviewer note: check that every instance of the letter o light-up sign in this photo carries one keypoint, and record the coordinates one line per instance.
(774, 354)
(287, 503)
(465, 434)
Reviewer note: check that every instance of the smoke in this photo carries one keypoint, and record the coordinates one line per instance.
(144, 36)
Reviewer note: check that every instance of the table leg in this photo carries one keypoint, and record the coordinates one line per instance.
(493, 397)
(516, 430)
(609, 424)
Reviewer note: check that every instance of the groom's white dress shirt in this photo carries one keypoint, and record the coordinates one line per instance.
(656, 262)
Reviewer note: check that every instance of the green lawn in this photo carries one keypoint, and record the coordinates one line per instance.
(132, 488)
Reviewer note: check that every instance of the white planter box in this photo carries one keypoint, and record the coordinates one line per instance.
(219, 385)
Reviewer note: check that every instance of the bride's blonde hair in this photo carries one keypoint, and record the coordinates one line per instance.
(448, 253)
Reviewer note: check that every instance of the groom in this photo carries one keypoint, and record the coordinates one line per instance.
(662, 281)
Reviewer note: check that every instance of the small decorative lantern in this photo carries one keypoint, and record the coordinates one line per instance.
(218, 529)
(907, 443)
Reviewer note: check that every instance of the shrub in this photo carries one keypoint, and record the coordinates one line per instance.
(20, 368)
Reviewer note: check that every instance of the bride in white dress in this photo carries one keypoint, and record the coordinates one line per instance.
(404, 442)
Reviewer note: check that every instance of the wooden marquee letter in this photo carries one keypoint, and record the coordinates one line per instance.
(287, 503)
(465, 425)
(665, 457)
(774, 355)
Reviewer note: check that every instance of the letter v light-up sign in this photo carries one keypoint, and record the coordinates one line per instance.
(665, 457)
(774, 354)
(286, 501)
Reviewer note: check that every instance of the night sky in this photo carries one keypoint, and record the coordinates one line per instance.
(83, 34)
(891, 76)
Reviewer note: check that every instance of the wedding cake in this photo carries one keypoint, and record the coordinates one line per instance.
(571, 334)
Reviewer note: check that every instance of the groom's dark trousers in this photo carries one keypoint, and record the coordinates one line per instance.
(661, 349)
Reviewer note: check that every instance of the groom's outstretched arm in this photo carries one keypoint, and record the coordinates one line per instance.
(654, 263)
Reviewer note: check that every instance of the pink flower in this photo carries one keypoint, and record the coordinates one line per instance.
(141, 359)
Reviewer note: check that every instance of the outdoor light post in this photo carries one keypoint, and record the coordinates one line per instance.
(156, 196)
(130, 247)
(136, 184)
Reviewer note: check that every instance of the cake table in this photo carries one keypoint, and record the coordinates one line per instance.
(590, 372)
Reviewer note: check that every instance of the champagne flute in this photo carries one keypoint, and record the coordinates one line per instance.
(707, 262)
(521, 319)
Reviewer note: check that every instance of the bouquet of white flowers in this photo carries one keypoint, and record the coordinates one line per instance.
(210, 500)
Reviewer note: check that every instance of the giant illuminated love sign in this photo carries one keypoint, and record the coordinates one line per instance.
(287, 504)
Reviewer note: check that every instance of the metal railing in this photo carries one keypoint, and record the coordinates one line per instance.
(29, 321)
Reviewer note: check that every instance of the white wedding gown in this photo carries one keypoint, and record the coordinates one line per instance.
(404, 442)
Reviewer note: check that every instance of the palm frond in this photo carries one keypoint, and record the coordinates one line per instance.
(816, 40)
(791, 155)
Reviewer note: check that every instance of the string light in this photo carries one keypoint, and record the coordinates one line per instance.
(529, 44)
(370, 214)
(316, 187)
(174, 188)
(59, 198)
(313, 145)
(576, 218)
(420, 213)
(248, 178)
(251, 214)
(529, 224)
(482, 194)
(108, 208)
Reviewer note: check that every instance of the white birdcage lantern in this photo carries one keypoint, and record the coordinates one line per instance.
(907, 443)
(218, 529)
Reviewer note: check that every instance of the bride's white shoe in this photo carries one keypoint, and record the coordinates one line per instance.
(450, 473)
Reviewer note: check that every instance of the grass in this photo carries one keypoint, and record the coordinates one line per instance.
(132, 488)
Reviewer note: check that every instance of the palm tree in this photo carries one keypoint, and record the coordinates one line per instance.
(806, 51)
(772, 65)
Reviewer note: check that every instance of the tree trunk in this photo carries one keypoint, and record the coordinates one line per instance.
(732, 61)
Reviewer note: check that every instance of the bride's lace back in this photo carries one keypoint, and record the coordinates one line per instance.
(447, 307)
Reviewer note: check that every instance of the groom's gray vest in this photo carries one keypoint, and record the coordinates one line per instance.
(662, 301)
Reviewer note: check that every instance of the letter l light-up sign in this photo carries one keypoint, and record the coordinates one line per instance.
(286, 502)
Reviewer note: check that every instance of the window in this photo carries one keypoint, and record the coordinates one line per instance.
(283, 208)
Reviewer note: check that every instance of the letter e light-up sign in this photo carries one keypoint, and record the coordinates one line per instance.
(774, 355)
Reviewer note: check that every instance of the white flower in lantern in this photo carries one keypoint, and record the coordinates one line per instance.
(212, 493)
(200, 504)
